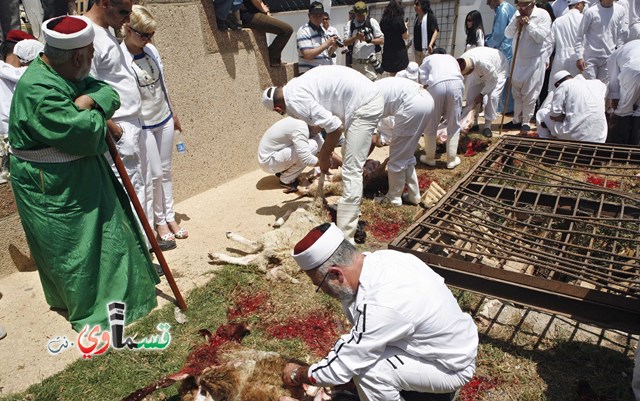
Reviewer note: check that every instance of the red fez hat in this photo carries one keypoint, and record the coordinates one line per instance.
(67, 25)
(15, 35)
(317, 246)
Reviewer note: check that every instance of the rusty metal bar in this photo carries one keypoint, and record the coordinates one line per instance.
(550, 224)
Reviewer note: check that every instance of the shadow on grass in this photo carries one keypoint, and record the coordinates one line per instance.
(565, 354)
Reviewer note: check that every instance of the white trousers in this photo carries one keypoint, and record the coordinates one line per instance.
(131, 148)
(287, 163)
(596, 68)
(474, 88)
(447, 99)
(357, 141)
(526, 83)
(409, 124)
(159, 147)
(396, 371)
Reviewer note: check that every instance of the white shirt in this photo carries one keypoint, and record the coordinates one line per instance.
(396, 92)
(400, 303)
(436, 68)
(534, 34)
(582, 102)
(9, 76)
(597, 38)
(488, 65)
(564, 33)
(560, 8)
(328, 96)
(624, 66)
(285, 133)
(109, 65)
(149, 74)
(362, 49)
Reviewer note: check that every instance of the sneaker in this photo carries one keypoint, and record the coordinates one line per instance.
(3, 333)
(407, 201)
(166, 245)
(159, 270)
(360, 236)
(474, 128)
(424, 160)
(525, 128)
(233, 23)
(512, 125)
(487, 132)
(454, 163)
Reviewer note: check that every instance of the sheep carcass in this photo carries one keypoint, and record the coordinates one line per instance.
(272, 254)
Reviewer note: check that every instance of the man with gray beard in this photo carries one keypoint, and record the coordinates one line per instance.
(76, 216)
(409, 335)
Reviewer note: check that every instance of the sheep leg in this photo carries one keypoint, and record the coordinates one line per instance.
(234, 260)
(253, 245)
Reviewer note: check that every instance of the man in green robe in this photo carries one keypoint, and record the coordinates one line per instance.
(79, 226)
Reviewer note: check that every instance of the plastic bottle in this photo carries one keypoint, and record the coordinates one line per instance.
(180, 146)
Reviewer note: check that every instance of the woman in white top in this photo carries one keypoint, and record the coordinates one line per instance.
(157, 116)
(474, 29)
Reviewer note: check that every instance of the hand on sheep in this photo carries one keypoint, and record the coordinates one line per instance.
(290, 375)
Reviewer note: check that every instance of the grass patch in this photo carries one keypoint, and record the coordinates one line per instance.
(118, 373)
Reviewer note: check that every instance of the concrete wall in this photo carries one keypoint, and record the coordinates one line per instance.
(215, 81)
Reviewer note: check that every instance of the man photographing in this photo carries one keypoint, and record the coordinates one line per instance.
(408, 334)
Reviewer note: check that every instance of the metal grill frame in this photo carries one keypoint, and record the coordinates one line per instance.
(606, 304)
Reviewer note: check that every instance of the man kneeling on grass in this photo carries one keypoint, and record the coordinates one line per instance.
(409, 334)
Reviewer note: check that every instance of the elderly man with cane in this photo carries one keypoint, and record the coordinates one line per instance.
(79, 226)
(337, 99)
(532, 26)
(409, 335)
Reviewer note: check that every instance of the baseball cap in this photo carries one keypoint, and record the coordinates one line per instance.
(316, 8)
(360, 7)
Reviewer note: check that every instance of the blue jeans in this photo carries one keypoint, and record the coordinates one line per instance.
(503, 97)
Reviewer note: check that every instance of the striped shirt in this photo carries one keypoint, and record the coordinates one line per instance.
(309, 37)
(400, 303)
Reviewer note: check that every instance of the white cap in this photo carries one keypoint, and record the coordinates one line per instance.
(412, 71)
(559, 75)
(267, 97)
(317, 246)
(68, 32)
(27, 50)
(468, 65)
(572, 2)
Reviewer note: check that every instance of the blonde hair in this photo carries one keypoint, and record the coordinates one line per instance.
(141, 19)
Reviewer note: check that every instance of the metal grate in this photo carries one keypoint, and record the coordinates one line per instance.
(549, 224)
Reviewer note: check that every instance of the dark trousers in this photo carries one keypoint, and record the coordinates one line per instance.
(625, 130)
(9, 17)
(282, 30)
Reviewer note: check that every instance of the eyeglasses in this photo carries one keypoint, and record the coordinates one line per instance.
(326, 19)
(145, 36)
(322, 282)
(524, 6)
(469, 20)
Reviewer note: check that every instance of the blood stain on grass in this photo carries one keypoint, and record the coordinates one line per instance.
(424, 181)
(384, 230)
(475, 389)
(600, 181)
(318, 330)
(246, 305)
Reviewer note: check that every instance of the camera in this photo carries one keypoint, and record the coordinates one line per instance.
(377, 65)
(368, 33)
(339, 41)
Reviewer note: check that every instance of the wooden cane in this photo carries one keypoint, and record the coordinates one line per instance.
(513, 64)
(126, 182)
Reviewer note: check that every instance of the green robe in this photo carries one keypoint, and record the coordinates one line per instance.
(76, 216)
